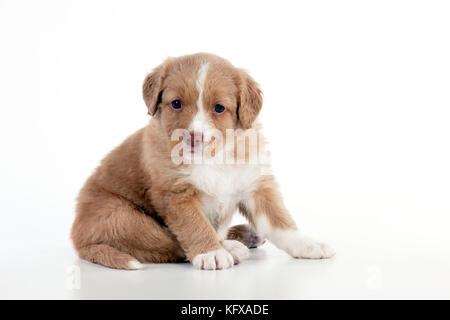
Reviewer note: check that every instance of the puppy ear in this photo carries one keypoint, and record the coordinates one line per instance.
(250, 100)
(151, 90)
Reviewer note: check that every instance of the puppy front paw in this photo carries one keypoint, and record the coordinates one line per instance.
(309, 248)
(238, 250)
(217, 259)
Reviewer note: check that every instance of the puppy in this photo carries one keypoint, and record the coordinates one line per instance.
(168, 192)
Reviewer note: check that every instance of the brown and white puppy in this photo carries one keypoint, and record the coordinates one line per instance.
(152, 201)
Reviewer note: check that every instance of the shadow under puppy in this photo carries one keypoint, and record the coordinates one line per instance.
(150, 201)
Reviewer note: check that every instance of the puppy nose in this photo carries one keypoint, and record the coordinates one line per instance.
(196, 137)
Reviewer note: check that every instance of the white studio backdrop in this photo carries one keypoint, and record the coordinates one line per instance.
(356, 105)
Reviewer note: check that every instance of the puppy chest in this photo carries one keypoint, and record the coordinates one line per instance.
(223, 187)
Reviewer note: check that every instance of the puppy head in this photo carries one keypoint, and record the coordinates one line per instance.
(200, 93)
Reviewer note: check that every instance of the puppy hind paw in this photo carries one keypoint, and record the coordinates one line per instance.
(255, 241)
(135, 265)
(245, 235)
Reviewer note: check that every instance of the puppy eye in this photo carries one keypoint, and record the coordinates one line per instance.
(219, 108)
(176, 104)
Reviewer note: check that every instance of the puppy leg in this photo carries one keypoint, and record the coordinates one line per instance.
(245, 234)
(181, 211)
(111, 231)
(272, 221)
(236, 248)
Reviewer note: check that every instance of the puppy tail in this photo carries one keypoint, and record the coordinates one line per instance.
(109, 257)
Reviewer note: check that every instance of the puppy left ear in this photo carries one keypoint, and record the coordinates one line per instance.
(250, 100)
(151, 90)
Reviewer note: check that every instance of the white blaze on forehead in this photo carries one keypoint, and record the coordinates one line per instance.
(201, 76)
(200, 121)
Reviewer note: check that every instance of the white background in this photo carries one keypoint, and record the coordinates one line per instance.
(356, 108)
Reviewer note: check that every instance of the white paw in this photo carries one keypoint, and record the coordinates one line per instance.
(135, 265)
(309, 248)
(217, 259)
(237, 249)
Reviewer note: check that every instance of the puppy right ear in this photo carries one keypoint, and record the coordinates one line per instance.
(151, 90)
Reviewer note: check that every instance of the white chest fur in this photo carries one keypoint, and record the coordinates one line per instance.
(223, 187)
